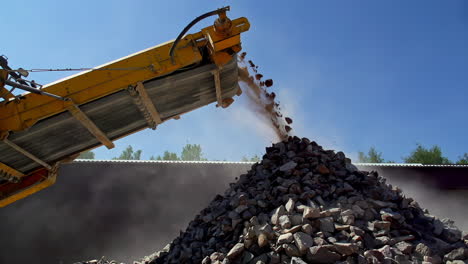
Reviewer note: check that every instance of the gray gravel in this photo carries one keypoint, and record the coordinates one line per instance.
(304, 204)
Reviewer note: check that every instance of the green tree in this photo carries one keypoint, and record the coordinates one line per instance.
(192, 152)
(169, 156)
(372, 156)
(463, 160)
(427, 156)
(255, 158)
(86, 155)
(129, 154)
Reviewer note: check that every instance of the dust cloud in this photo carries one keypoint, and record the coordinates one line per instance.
(123, 211)
(262, 102)
(426, 186)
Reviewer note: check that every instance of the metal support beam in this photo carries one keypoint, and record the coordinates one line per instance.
(146, 100)
(89, 124)
(26, 153)
(217, 80)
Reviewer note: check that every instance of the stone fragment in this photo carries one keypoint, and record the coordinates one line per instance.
(451, 234)
(327, 225)
(405, 247)
(280, 211)
(296, 260)
(457, 254)
(346, 248)
(307, 228)
(284, 222)
(303, 241)
(291, 250)
(296, 219)
(262, 240)
(288, 166)
(290, 206)
(321, 254)
(311, 213)
(235, 251)
(322, 169)
(285, 238)
(422, 250)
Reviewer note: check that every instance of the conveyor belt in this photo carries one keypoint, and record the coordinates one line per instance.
(61, 136)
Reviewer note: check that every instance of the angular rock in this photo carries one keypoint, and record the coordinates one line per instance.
(405, 247)
(321, 254)
(303, 241)
(346, 249)
(327, 225)
(235, 251)
(285, 238)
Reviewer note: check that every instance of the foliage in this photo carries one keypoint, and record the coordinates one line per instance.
(372, 156)
(169, 156)
(255, 158)
(427, 156)
(129, 154)
(86, 155)
(463, 160)
(192, 152)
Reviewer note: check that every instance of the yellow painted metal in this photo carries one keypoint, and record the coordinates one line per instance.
(81, 117)
(50, 180)
(17, 115)
(94, 84)
(10, 170)
(3, 91)
(146, 100)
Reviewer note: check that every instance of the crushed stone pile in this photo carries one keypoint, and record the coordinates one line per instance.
(304, 204)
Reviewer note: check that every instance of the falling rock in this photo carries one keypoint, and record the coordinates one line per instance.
(303, 241)
(321, 254)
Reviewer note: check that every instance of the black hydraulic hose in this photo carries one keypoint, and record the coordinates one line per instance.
(191, 24)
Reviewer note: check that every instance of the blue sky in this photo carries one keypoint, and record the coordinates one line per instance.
(352, 74)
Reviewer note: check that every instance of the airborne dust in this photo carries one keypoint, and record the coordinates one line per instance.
(261, 101)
